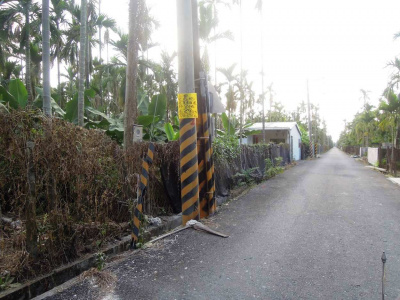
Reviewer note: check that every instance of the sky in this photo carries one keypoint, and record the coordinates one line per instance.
(339, 46)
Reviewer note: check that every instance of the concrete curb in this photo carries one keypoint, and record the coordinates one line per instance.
(62, 274)
(377, 169)
(395, 180)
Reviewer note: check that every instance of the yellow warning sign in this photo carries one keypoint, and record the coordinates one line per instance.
(187, 106)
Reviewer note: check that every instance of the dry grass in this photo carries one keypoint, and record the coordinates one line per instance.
(85, 189)
(104, 279)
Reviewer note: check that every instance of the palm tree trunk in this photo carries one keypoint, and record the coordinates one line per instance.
(58, 70)
(88, 54)
(87, 59)
(396, 124)
(28, 56)
(59, 91)
(47, 100)
(46, 58)
(30, 209)
(391, 163)
(22, 66)
(167, 106)
(270, 108)
(229, 119)
(106, 40)
(397, 135)
(82, 61)
(101, 72)
(131, 74)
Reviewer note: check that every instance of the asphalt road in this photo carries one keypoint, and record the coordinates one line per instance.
(317, 231)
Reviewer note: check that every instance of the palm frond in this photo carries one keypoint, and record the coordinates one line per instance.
(223, 35)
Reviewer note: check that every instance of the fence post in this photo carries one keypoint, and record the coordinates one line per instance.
(387, 159)
(144, 179)
(379, 157)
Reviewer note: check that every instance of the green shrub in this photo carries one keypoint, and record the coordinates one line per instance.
(100, 260)
(5, 281)
(278, 161)
(226, 148)
(270, 169)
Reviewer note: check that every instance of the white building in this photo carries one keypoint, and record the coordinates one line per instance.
(278, 132)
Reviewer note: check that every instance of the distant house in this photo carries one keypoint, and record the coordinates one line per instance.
(278, 132)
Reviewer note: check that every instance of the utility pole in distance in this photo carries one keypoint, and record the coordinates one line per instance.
(187, 111)
(309, 123)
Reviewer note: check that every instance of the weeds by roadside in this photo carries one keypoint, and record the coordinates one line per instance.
(273, 168)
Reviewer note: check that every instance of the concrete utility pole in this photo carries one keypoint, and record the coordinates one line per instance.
(241, 82)
(185, 47)
(262, 71)
(309, 123)
(202, 123)
(187, 106)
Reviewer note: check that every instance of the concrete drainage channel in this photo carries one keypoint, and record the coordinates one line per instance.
(60, 275)
(65, 273)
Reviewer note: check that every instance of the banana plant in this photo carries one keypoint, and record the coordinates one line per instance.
(152, 112)
(16, 96)
(112, 126)
(152, 122)
(3, 108)
(57, 110)
(232, 127)
(172, 130)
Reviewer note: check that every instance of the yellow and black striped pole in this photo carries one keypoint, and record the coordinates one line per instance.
(144, 178)
(211, 204)
(204, 146)
(208, 206)
(202, 138)
(311, 149)
(202, 164)
(187, 110)
(206, 167)
(189, 171)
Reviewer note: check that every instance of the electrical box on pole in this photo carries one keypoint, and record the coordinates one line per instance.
(137, 133)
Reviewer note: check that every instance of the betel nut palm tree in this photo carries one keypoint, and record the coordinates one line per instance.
(18, 18)
(131, 72)
(82, 60)
(390, 106)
